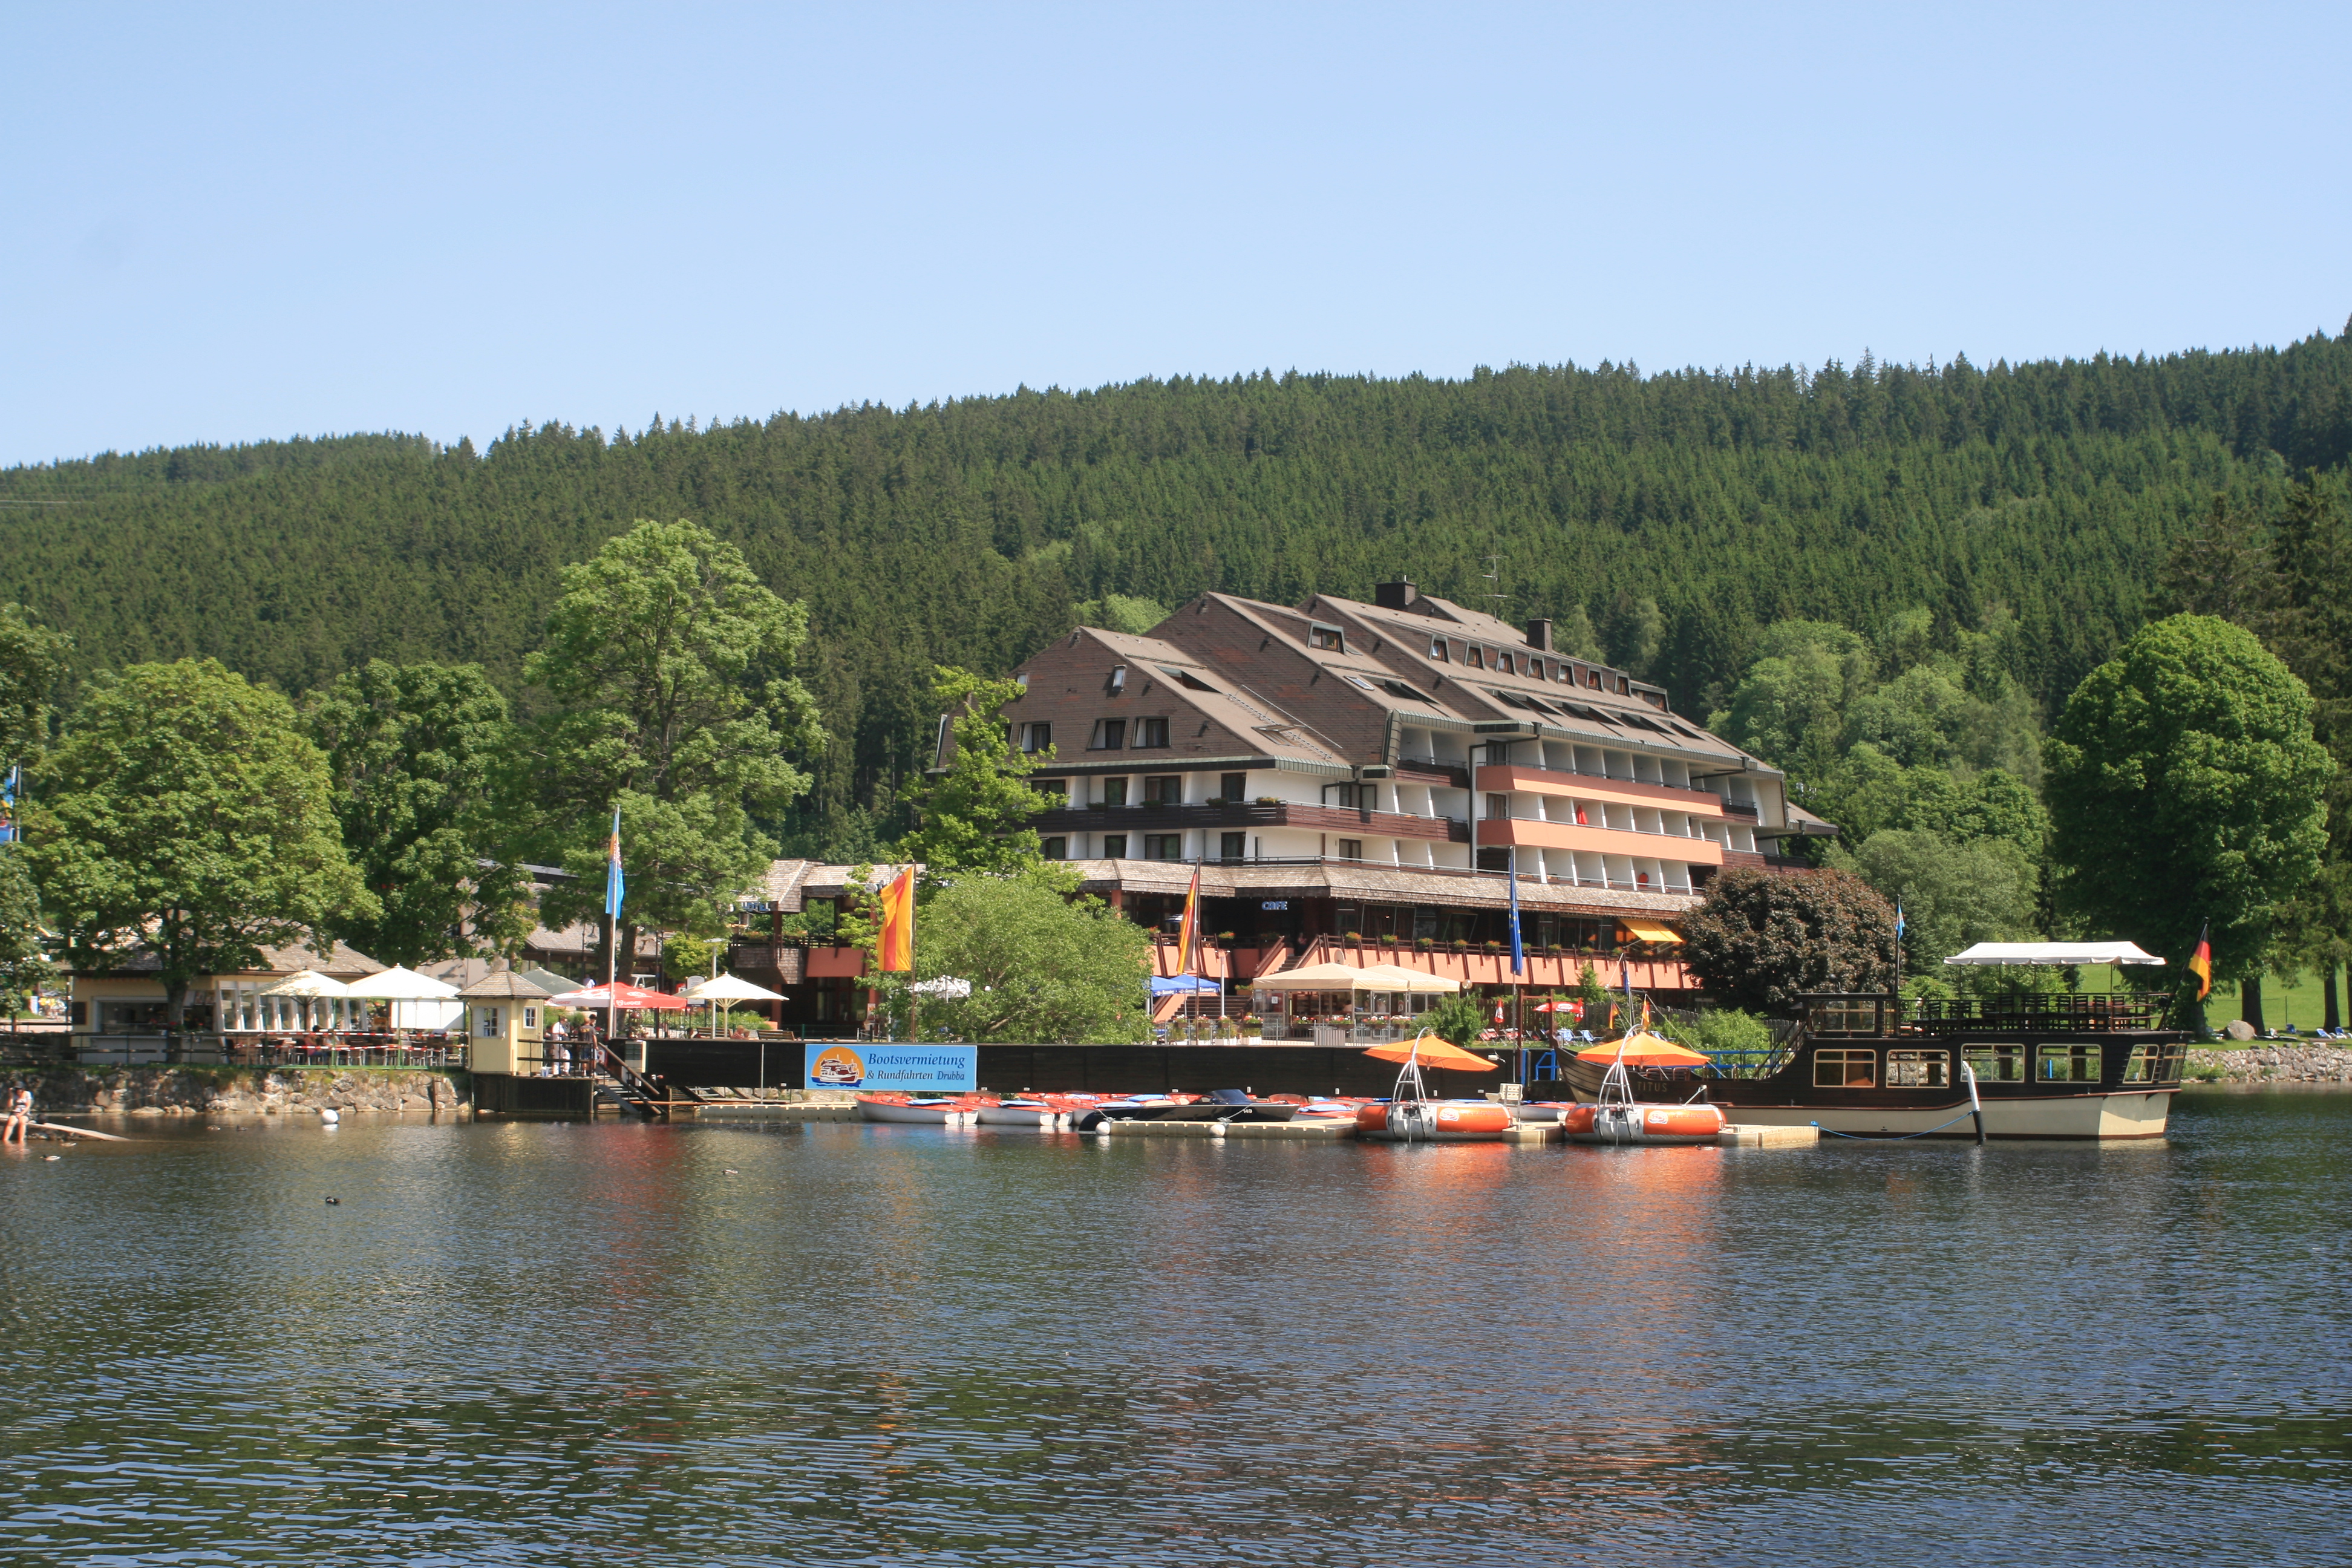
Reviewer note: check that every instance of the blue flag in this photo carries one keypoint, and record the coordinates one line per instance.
(8, 833)
(614, 883)
(1518, 953)
(1898, 922)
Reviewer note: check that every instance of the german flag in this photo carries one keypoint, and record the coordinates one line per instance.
(1188, 929)
(2200, 962)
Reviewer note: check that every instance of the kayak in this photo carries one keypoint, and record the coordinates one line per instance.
(1018, 1113)
(905, 1111)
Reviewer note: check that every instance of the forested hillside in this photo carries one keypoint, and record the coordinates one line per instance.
(1678, 514)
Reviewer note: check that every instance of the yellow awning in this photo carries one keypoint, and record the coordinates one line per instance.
(1649, 930)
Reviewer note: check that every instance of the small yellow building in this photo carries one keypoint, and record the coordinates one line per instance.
(505, 1022)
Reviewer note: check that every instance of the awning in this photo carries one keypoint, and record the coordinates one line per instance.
(2064, 953)
(1649, 930)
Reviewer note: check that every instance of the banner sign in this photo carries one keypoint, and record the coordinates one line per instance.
(915, 1070)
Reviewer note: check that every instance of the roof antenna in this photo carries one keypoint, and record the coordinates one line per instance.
(1494, 573)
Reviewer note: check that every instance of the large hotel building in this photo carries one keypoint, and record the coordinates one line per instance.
(1357, 781)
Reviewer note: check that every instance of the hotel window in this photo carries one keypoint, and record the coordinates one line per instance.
(1437, 649)
(1233, 787)
(1996, 1064)
(1110, 735)
(1625, 686)
(1839, 1068)
(1352, 848)
(1473, 656)
(1163, 846)
(1327, 639)
(1118, 679)
(1592, 680)
(1036, 736)
(1114, 845)
(1167, 790)
(1498, 805)
(1114, 792)
(1502, 663)
(1058, 788)
(1233, 845)
(1917, 1069)
(1151, 732)
(2069, 1064)
(1567, 674)
(1054, 848)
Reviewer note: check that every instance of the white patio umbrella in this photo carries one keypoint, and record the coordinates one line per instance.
(308, 985)
(399, 984)
(727, 988)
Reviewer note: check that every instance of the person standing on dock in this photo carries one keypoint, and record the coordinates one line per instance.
(20, 1115)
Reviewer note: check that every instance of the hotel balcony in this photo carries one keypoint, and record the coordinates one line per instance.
(1503, 779)
(1163, 818)
(1504, 832)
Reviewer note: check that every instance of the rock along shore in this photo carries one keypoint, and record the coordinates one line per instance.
(2272, 1061)
(250, 1091)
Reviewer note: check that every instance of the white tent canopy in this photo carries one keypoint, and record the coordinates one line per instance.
(306, 983)
(727, 988)
(2058, 952)
(1349, 977)
(401, 984)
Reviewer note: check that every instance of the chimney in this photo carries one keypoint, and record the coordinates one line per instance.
(1395, 595)
(1539, 634)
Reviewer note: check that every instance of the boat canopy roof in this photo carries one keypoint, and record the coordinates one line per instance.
(2066, 953)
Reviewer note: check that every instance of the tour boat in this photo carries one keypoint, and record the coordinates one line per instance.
(908, 1111)
(2062, 1065)
(1434, 1121)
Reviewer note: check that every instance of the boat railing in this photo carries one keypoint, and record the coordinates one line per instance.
(2049, 1012)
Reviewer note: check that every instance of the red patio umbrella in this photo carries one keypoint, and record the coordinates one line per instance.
(626, 998)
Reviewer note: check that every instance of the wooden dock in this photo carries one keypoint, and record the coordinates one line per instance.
(1324, 1129)
(1758, 1136)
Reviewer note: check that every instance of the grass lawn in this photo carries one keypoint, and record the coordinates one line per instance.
(2299, 1004)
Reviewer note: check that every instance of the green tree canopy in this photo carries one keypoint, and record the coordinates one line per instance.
(415, 751)
(972, 815)
(2185, 787)
(1044, 967)
(1951, 894)
(1763, 938)
(669, 670)
(25, 966)
(184, 814)
(32, 661)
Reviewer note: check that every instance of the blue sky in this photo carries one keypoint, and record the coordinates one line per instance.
(237, 223)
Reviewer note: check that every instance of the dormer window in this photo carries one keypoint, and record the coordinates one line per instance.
(1502, 663)
(1475, 656)
(1110, 735)
(1437, 649)
(1118, 679)
(1592, 680)
(1329, 639)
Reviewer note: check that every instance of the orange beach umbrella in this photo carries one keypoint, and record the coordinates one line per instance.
(1643, 1049)
(1434, 1051)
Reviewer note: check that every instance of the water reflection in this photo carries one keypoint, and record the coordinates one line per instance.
(533, 1343)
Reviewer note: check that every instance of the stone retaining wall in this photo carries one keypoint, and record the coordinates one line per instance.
(265, 1091)
(2267, 1061)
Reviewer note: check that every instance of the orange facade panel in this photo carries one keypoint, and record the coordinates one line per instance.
(1498, 832)
(835, 963)
(1622, 792)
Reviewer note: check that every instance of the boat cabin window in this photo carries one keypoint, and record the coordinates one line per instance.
(1855, 1015)
(1842, 1068)
(1996, 1064)
(2069, 1064)
(1917, 1069)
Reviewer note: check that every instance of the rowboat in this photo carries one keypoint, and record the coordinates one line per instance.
(908, 1111)
(1034, 1113)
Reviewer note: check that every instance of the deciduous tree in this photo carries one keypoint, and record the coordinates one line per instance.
(972, 816)
(185, 815)
(2186, 791)
(1761, 939)
(669, 669)
(1043, 966)
(415, 753)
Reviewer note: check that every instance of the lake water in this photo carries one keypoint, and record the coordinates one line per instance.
(532, 1343)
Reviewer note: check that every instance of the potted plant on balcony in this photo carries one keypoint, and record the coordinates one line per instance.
(1423, 943)
(1253, 1027)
